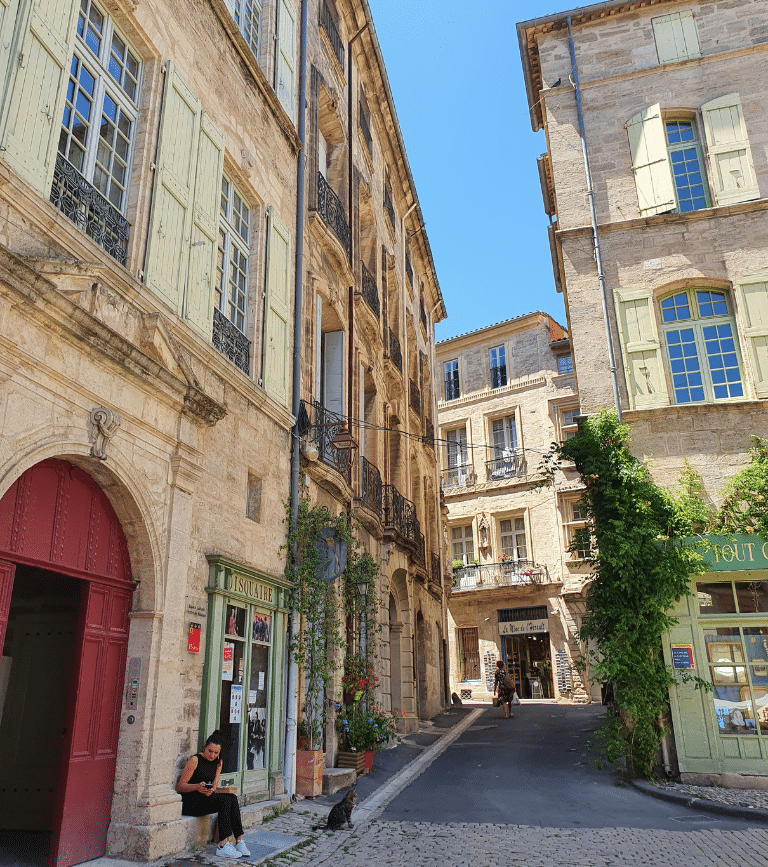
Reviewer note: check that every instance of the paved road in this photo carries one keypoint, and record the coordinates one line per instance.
(526, 791)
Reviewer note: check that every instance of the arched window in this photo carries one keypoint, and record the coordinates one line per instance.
(699, 335)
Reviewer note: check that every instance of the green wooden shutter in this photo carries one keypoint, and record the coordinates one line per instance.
(277, 309)
(40, 54)
(201, 276)
(753, 304)
(730, 159)
(171, 219)
(640, 348)
(9, 9)
(676, 37)
(285, 57)
(650, 162)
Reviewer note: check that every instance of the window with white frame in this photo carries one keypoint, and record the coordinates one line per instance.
(675, 36)
(512, 537)
(668, 156)
(231, 299)
(700, 340)
(462, 544)
(247, 15)
(456, 472)
(451, 379)
(101, 103)
(505, 459)
(498, 366)
(565, 364)
(576, 532)
(567, 418)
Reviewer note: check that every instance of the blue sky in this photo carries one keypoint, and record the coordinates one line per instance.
(457, 82)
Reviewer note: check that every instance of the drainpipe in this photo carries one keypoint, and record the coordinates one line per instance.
(289, 759)
(593, 218)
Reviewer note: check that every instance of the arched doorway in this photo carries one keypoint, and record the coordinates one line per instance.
(65, 593)
(395, 660)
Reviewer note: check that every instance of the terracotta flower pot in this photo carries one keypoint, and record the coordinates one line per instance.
(368, 760)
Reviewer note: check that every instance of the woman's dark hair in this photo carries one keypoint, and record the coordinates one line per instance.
(500, 663)
(215, 738)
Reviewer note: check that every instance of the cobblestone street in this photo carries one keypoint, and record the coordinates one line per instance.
(379, 843)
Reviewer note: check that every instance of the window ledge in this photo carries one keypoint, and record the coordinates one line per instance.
(756, 405)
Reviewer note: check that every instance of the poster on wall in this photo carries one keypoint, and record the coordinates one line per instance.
(257, 736)
(261, 627)
(236, 703)
(228, 662)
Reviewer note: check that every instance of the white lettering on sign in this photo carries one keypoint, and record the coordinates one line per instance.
(523, 627)
(249, 587)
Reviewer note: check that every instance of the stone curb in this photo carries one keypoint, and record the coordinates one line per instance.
(704, 804)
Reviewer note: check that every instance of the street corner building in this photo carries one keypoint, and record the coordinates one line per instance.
(519, 578)
(655, 181)
(150, 219)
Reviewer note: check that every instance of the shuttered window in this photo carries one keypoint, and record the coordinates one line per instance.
(232, 268)
(676, 37)
(753, 306)
(277, 307)
(285, 57)
(731, 169)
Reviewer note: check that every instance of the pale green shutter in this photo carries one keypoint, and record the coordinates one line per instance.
(730, 159)
(277, 309)
(753, 304)
(650, 162)
(171, 219)
(285, 57)
(35, 87)
(676, 37)
(9, 9)
(201, 277)
(640, 348)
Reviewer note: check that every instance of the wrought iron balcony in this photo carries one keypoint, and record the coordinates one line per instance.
(420, 551)
(370, 291)
(365, 129)
(414, 398)
(395, 353)
(389, 208)
(455, 477)
(429, 434)
(332, 211)
(332, 32)
(231, 342)
(79, 200)
(510, 465)
(324, 428)
(371, 487)
(400, 515)
(487, 576)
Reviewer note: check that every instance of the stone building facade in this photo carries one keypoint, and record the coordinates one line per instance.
(667, 101)
(517, 594)
(149, 155)
(371, 299)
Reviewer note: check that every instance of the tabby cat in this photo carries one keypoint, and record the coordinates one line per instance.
(341, 813)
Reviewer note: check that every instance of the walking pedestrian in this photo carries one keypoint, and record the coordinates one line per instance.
(504, 687)
(197, 786)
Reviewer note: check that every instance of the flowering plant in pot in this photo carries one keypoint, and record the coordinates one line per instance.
(359, 678)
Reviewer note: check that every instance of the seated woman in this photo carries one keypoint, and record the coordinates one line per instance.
(199, 797)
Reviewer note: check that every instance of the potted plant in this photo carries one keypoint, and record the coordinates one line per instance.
(362, 731)
(310, 759)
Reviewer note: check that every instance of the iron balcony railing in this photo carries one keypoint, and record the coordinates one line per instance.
(370, 291)
(231, 342)
(455, 477)
(512, 572)
(508, 466)
(365, 129)
(332, 211)
(371, 489)
(395, 353)
(420, 552)
(400, 514)
(332, 32)
(429, 434)
(414, 398)
(389, 208)
(325, 427)
(79, 200)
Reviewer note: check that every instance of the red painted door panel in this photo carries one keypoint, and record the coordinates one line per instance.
(7, 571)
(84, 801)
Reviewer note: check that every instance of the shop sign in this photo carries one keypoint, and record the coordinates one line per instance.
(250, 587)
(523, 627)
(682, 657)
(735, 553)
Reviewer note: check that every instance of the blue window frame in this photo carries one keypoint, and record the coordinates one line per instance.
(687, 165)
(700, 338)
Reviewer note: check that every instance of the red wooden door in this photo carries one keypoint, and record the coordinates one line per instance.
(84, 796)
(7, 571)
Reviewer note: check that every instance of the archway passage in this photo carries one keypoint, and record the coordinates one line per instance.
(65, 593)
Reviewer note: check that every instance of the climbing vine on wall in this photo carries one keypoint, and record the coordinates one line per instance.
(324, 608)
(745, 506)
(641, 560)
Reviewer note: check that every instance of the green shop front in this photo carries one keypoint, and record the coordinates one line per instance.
(722, 637)
(243, 683)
